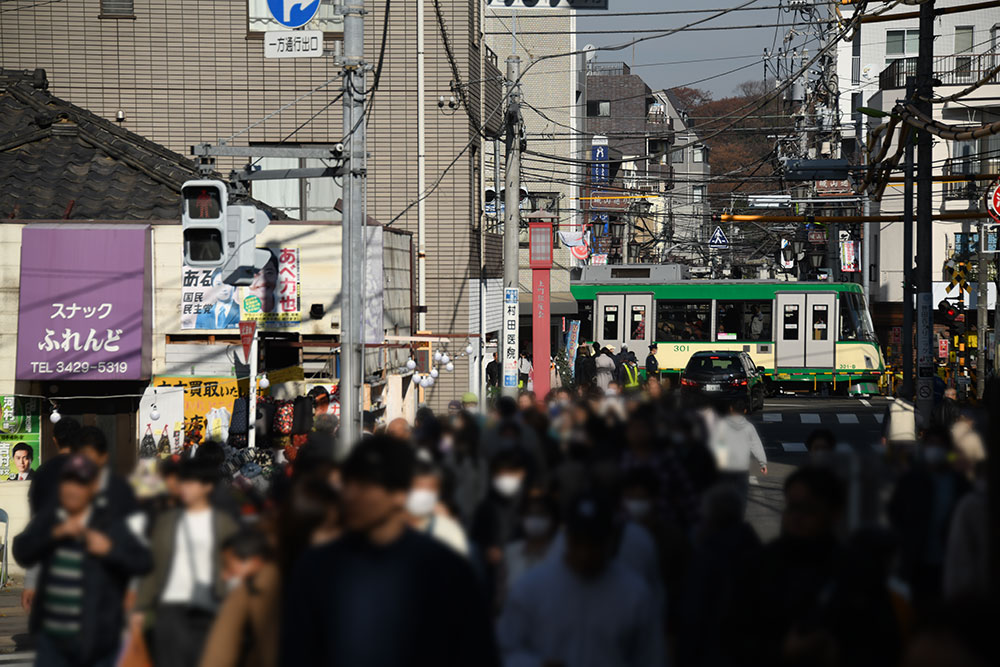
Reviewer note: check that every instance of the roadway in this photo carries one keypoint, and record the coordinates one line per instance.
(784, 426)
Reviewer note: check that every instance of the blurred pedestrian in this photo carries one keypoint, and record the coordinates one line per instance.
(947, 412)
(920, 511)
(400, 429)
(246, 631)
(606, 367)
(383, 595)
(86, 555)
(585, 368)
(967, 556)
(180, 597)
(497, 519)
(581, 608)
(734, 441)
(113, 491)
(539, 524)
(425, 509)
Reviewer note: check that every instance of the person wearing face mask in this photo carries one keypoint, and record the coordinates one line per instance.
(539, 526)
(582, 608)
(497, 519)
(244, 633)
(425, 511)
(920, 511)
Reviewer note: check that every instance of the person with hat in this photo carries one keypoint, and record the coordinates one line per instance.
(579, 607)
(652, 365)
(86, 555)
(384, 595)
(186, 586)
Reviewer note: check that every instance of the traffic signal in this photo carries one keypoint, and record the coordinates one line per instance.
(220, 236)
(947, 312)
(203, 218)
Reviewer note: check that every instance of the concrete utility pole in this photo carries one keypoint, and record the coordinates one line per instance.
(352, 229)
(982, 317)
(512, 223)
(906, 391)
(925, 202)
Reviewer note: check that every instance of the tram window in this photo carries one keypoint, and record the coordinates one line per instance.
(743, 320)
(820, 322)
(637, 323)
(610, 322)
(855, 322)
(586, 314)
(683, 320)
(791, 322)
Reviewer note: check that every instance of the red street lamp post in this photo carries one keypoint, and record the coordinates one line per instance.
(540, 261)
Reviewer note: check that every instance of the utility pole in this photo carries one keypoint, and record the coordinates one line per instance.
(353, 246)
(512, 223)
(982, 317)
(925, 202)
(906, 391)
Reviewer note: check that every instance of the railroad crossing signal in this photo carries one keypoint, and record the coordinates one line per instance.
(957, 273)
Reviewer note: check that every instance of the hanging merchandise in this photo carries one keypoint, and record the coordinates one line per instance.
(240, 423)
(284, 418)
(302, 421)
(147, 448)
(163, 447)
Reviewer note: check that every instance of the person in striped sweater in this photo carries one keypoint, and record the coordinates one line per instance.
(86, 556)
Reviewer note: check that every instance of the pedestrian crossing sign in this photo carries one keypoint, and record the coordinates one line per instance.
(718, 240)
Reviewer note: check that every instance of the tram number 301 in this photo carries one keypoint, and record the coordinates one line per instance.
(682, 348)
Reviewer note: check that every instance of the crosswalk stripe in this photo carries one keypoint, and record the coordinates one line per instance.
(847, 418)
(809, 418)
(773, 417)
(794, 447)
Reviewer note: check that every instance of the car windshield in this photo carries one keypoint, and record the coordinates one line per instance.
(714, 364)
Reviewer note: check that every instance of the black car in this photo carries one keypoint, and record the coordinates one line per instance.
(724, 376)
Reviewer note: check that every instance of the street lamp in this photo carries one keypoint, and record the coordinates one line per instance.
(540, 261)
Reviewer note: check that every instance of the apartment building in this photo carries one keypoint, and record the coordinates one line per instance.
(624, 114)
(553, 107)
(872, 72)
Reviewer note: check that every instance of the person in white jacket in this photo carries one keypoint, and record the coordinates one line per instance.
(734, 439)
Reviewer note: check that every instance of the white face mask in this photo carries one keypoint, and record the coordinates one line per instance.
(233, 583)
(421, 502)
(507, 485)
(536, 526)
(637, 508)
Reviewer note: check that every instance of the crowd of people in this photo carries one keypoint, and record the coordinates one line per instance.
(590, 528)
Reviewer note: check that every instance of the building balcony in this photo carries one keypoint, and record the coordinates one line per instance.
(963, 187)
(954, 70)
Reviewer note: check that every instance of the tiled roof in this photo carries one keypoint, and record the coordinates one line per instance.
(58, 161)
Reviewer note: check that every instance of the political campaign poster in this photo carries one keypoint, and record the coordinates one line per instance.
(20, 438)
(273, 299)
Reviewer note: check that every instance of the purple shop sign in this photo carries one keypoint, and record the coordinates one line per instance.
(85, 310)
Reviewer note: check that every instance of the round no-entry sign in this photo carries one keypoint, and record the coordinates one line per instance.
(993, 201)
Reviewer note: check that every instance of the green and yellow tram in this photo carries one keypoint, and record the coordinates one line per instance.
(804, 334)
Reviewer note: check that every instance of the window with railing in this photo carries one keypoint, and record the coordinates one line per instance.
(963, 44)
(117, 9)
(901, 44)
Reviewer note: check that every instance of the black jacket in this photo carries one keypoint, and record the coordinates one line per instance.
(44, 487)
(493, 374)
(585, 369)
(105, 579)
(652, 366)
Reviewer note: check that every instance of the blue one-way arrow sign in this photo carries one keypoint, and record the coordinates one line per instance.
(718, 240)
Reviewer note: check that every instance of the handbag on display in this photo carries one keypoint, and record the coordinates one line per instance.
(147, 448)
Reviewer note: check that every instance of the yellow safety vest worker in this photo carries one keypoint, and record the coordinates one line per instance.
(631, 376)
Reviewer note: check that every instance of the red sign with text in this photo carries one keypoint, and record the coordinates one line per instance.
(248, 328)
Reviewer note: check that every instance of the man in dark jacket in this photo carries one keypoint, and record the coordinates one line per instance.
(384, 595)
(45, 482)
(493, 373)
(946, 412)
(86, 556)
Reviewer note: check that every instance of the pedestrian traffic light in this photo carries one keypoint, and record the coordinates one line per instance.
(220, 236)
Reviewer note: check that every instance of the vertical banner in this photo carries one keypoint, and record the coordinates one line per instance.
(572, 343)
(20, 437)
(374, 328)
(510, 321)
(207, 302)
(273, 299)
